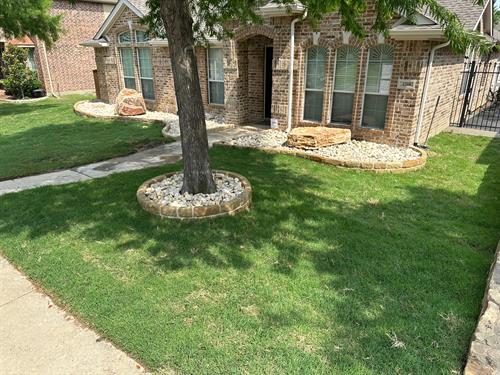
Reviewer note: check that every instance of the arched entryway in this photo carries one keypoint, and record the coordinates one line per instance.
(250, 79)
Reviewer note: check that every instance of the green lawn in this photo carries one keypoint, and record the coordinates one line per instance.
(321, 277)
(47, 135)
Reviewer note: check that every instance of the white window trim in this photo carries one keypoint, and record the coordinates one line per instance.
(315, 90)
(146, 78)
(215, 80)
(353, 92)
(133, 65)
(124, 43)
(364, 94)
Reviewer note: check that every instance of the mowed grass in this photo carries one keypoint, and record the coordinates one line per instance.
(47, 135)
(333, 271)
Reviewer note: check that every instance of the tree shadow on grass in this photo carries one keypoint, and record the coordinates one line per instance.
(365, 260)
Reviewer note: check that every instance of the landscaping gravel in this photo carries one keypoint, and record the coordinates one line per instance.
(353, 150)
(167, 192)
(101, 109)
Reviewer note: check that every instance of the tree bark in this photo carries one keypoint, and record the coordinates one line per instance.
(178, 23)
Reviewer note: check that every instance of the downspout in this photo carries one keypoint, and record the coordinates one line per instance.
(290, 70)
(47, 66)
(426, 89)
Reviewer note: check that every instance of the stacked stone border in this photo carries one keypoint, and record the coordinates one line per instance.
(484, 352)
(378, 167)
(83, 113)
(238, 204)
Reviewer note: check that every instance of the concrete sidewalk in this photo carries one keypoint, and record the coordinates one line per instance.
(37, 337)
(164, 154)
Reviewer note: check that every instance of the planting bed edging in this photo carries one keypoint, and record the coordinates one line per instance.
(378, 167)
(484, 352)
(238, 204)
(83, 113)
(24, 101)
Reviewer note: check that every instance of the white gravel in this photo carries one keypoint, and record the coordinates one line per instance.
(167, 192)
(101, 109)
(353, 150)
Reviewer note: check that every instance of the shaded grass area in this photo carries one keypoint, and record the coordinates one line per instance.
(47, 135)
(330, 270)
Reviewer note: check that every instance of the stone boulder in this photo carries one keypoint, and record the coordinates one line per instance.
(130, 103)
(317, 137)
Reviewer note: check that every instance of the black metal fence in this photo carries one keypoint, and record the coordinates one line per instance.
(477, 103)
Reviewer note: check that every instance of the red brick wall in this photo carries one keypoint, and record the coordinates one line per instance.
(70, 63)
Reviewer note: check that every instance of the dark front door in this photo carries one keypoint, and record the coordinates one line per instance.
(268, 82)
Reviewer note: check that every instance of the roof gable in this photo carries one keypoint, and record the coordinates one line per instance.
(138, 7)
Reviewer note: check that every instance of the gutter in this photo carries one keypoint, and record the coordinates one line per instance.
(423, 100)
(290, 70)
(47, 66)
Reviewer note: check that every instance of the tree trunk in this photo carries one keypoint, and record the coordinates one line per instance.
(178, 23)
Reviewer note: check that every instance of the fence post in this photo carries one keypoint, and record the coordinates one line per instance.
(465, 104)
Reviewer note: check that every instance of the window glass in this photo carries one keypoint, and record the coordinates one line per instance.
(127, 59)
(124, 37)
(31, 59)
(315, 84)
(346, 67)
(216, 75)
(141, 36)
(146, 73)
(378, 80)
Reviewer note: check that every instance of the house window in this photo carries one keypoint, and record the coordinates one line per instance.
(141, 37)
(31, 59)
(124, 38)
(127, 58)
(346, 66)
(315, 84)
(378, 81)
(146, 73)
(215, 76)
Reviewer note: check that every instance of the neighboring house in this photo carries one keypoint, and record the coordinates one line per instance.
(67, 66)
(373, 86)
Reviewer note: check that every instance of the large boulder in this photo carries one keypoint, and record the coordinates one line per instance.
(317, 137)
(130, 103)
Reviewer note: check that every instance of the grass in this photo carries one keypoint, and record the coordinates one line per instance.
(332, 272)
(47, 135)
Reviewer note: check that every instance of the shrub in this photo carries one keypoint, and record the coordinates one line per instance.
(19, 80)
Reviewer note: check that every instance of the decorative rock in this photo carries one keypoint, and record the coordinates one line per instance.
(130, 103)
(317, 137)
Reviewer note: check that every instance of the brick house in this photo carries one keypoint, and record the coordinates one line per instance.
(384, 88)
(67, 66)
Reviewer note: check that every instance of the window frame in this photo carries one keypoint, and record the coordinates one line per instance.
(141, 78)
(121, 49)
(334, 90)
(377, 94)
(209, 80)
(304, 91)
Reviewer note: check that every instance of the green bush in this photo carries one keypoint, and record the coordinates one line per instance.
(19, 80)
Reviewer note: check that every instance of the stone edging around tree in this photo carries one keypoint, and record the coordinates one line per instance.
(240, 203)
(83, 113)
(484, 352)
(378, 167)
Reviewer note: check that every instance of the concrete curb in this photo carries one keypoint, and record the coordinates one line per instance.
(24, 101)
(484, 352)
(378, 167)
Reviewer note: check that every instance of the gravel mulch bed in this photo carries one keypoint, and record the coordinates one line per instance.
(354, 150)
(167, 192)
(100, 109)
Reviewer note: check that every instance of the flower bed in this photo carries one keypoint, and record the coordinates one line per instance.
(160, 196)
(354, 154)
(99, 109)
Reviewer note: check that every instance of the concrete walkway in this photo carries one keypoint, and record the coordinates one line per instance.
(37, 337)
(164, 154)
